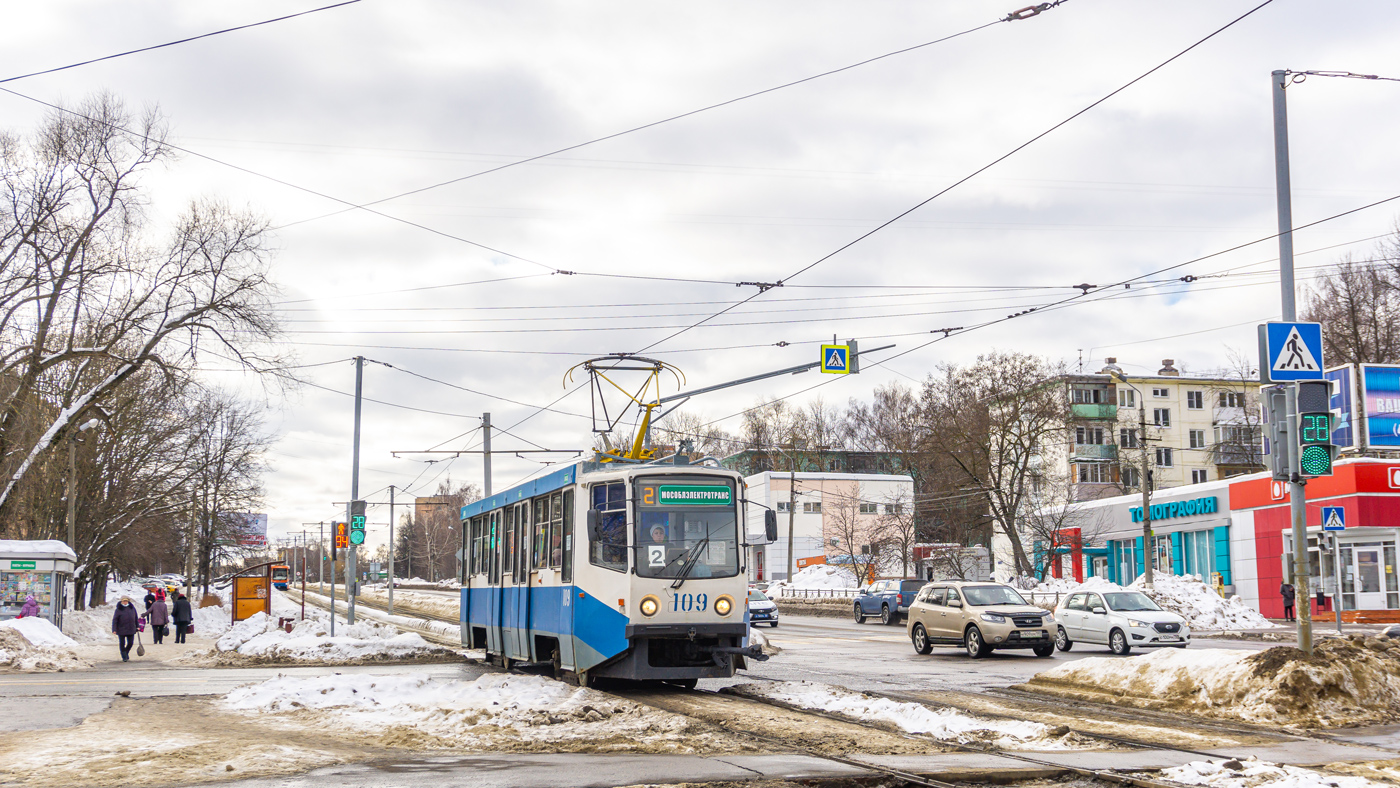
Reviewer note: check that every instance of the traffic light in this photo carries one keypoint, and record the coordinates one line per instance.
(340, 538)
(1280, 445)
(357, 522)
(1316, 453)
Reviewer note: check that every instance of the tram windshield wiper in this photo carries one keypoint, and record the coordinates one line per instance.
(691, 558)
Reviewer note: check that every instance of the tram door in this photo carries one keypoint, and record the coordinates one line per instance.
(494, 640)
(519, 620)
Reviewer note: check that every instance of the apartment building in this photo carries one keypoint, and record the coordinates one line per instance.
(1198, 429)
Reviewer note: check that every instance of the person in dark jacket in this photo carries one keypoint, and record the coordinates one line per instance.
(150, 600)
(158, 618)
(1287, 592)
(183, 617)
(124, 626)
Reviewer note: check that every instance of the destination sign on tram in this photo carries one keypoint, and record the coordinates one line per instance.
(687, 495)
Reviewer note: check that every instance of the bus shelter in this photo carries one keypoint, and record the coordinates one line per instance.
(42, 568)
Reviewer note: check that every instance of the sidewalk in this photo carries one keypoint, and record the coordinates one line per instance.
(1287, 631)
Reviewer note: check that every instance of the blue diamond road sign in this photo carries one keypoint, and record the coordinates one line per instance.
(1290, 351)
(1334, 518)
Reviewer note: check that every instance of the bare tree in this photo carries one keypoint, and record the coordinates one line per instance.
(227, 481)
(1059, 524)
(897, 526)
(708, 440)
(437, 531)
(854, 537)
(1237, 445)
(1358, 305)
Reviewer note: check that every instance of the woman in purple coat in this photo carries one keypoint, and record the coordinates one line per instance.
(124, 626)
(30, 608)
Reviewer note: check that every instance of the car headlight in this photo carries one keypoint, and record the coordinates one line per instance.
(1133, 623)
(724, 605)
(995, 618)
(1049, 617)
(650, 605)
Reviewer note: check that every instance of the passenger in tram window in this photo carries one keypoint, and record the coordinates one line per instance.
(658, 534)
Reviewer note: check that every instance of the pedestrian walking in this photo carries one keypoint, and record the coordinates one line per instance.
(183, 617)
(124, 624)
(30, 608)
(158, 618)
(150, 599)
(1287, 592)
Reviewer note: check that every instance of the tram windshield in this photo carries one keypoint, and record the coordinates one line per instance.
(686, 527)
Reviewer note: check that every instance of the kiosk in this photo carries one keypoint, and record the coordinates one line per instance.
(42, 568)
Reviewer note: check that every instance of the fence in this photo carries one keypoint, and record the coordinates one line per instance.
(818, 593)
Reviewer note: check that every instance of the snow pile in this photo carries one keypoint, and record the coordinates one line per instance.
(491, 710)
(947, 724)
(89, 626)
(1347, 681)
(816, 576)
(259, 639)
(209, 621)
(18, 653)
(1255, 773)
(39, 632)
(1184, 595)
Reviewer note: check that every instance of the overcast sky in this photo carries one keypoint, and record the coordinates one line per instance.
(377, 98)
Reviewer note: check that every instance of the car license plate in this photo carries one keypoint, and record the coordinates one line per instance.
(1032, 635)
(1165, 638)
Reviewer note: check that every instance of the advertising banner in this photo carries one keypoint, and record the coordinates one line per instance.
(252, 528)
(1343, 403)
(1380, 395)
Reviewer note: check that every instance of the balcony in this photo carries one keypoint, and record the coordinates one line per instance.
(1094, 411)
(1092, 451)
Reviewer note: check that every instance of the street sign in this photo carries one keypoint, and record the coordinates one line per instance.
(1334, 518)
(836, 359)
(1290, 351)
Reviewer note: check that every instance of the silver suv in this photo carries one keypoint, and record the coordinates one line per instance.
(979, 617)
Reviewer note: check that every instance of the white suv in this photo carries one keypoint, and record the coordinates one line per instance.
(1120, 620)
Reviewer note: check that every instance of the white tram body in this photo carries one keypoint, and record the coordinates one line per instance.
(630, 571)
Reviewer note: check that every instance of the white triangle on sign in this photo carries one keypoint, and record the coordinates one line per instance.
(1294, 356)
(1333, 521)
(835, 361)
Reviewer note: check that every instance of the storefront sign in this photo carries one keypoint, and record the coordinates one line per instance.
(694, 495)
(1380, 387)
(1191, 508)
(21, 565)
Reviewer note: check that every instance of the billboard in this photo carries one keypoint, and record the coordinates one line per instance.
(1343, 404)
(251, 528)
(1380, 398)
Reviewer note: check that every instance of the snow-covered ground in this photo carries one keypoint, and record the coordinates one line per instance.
(1185, 595)
(1346, 681)
(490, 710)
(813, 577)
(33, 645)
(947, 724)
(1259, 774)
(260, 639)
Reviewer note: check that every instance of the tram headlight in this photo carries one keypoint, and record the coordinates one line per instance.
(724, 605)
(650, 605)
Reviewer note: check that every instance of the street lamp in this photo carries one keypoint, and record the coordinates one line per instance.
(73, 471)
(1149, 550)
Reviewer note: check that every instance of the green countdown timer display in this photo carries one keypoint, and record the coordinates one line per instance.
(1315, 461)
(357, 529)
(1314, 428)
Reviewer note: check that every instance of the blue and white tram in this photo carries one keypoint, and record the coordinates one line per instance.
(630, 571)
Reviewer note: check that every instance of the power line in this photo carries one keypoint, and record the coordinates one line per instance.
(180, 41)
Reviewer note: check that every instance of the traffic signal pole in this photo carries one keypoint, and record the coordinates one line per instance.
(1297, 502)
(354, 493)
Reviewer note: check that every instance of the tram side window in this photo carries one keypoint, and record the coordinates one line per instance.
(556, 530)
(610, 551)
(508, 553)
(541, 532)
(566, 571)
(478, 545)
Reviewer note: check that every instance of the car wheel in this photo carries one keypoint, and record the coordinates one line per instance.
(1118, 643)
(976, 646)
(920, 638)
(774, 625)
(860, 616)
(1062, 641)
(1045, 650)
(886, 617)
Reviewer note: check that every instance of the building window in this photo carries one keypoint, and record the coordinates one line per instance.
(1231, 399)
(1127, 438)
(1198, 475)
(1162, 417)
(1198, 439)
(812, 507)
(1093, 473)
(894, 508)
(1160, 393)
(869, 508)
(1164, 457)
(1127, 398)
(1088, 396)
(1195, 400)
(784, 506)
(1088, 435)
(1131, 477)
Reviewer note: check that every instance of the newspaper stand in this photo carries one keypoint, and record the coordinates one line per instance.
(42, 568)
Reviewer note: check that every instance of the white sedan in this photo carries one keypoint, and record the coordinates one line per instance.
(1121, 620)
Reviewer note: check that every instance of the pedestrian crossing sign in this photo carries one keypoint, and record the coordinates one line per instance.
(1334, 518)
(836, 359)
(1290, 351)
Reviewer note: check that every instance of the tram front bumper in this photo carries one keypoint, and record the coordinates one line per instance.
(681, 651)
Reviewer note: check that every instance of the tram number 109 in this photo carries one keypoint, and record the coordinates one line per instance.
(684, 603)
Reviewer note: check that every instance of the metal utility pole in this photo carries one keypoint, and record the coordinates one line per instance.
(354, 492)
(1149, 550)
(391, 549)
(792, 509)
(1297, 502)
(321, 557)
(486, 454)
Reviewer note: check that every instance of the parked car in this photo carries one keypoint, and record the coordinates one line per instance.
(1120, 620)
(979, 617)
(888, 599)
(762, 610)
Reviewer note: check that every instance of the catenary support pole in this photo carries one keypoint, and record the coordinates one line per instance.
(350, 585)
(391, 549)
(1149, 549)
(486, 454)
(1337, 573)
(792, 508)
(1297, 502)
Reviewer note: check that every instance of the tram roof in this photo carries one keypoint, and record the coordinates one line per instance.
(547, 483)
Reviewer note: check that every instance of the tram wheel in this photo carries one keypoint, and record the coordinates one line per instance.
(684, 683)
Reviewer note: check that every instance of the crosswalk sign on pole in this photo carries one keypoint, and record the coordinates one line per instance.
(1334, 518)
(836, 359)
(1290, 351)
